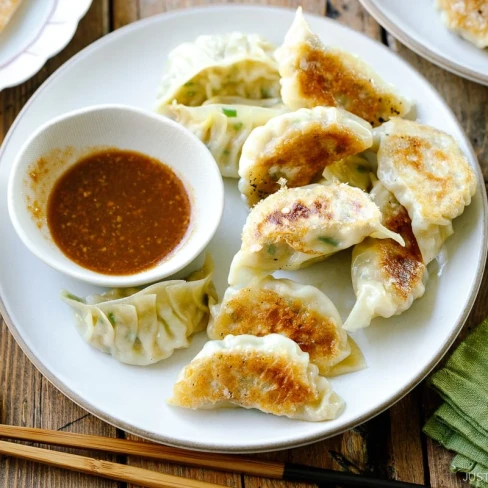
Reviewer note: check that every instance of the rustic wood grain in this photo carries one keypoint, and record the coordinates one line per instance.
(27, 398)
(390, 445)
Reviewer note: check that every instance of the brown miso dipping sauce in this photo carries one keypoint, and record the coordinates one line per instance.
(118, 212)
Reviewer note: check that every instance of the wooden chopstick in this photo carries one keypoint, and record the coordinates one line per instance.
(221, 462)
(104, 469)
(150, 450)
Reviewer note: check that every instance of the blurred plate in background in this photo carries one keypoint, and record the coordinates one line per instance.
(418, 25)
(38, 30)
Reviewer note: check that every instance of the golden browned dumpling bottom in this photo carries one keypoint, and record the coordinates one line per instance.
(416, 155)
(300, 159)
(325, 80)
(261, 311)
(293, 226)
(403, 266)
(468, 17)
(251, 379)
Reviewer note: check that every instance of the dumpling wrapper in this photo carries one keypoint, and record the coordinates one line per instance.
(300, 312)
(386, 277)
(429, 175)
(144, 326)
(316, 75)
(295, 147)
(268, 373)
(223, 128)
(298, 226)
(231, 64)
(467, 18)
(354, 170)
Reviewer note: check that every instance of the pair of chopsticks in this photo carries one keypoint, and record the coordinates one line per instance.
(152, 479)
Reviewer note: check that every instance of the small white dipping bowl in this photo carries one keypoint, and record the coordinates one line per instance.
(62, 142)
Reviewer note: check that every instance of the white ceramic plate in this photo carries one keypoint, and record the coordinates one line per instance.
(38, 30)
(399, 351)
(418, 25)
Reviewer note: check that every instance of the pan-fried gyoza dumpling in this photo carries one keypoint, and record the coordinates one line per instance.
(429, 175)
(220, 65)
(296, 147)
(298, 226)
(386, 277)
(223, 128)
(145, 326)
(313, 74)
(354, 170)
(269, 373)
(300, 312)
(468, 18)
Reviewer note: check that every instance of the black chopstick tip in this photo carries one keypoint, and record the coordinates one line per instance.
(327, 477)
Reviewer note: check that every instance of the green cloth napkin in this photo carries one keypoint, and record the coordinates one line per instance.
(461, 422)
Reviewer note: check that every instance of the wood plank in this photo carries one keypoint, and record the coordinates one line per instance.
(406, 461)
(124, 12)
(351, 14)
(26, 397)
(20, 404)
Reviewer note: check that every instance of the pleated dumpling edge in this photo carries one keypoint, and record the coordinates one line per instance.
(145, 326)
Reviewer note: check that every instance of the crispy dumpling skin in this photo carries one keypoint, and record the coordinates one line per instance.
(298, 226)
(280, 306)
(386, 277)
(143, 326)
(231, 64)
(429, 175)
(296, 147)
(467, 18)
(354, 170)
(313, 74)
(223, 128)
(268, 373)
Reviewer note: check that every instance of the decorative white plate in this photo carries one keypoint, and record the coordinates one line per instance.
(399, 351)
(418, 25)
(38, 30)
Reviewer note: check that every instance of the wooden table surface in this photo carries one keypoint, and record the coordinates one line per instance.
(389, 446)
